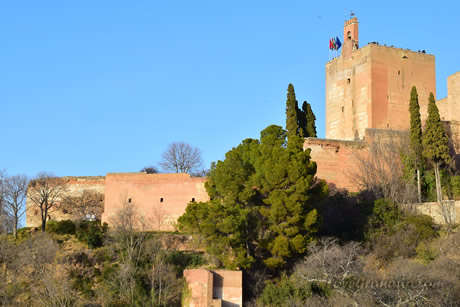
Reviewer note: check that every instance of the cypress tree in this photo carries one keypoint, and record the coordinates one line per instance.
(292, 125)
(435, 142)
(292, 120)
(416, 138)
(310, 118)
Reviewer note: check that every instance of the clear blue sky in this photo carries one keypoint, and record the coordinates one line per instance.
(90, 87)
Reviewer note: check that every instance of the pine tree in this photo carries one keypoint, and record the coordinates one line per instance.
(263, 204)
(310, 118)
(435, 142)
(416, 138)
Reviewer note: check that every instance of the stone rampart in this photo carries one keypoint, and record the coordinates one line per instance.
(336, 161)
(160, 198)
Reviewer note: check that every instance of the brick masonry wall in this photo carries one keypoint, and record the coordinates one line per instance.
(160, 198)
(336, 161)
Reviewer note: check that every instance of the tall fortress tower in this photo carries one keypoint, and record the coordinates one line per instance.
(367, 98)
(369, 87)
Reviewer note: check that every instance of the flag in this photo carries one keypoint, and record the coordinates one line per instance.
(337, 43)
(330, 44)
(334, 47)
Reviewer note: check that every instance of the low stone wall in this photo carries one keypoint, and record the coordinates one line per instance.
(449, 211)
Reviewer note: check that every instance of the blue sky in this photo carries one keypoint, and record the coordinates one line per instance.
(91, 87)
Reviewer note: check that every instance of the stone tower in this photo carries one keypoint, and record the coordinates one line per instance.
(370, 87)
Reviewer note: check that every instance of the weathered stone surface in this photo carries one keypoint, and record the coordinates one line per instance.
(75, 186)
(200, 284)
(449, 210)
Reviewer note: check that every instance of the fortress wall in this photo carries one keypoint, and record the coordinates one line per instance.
(75, 186)
(371, 89)
(453, 92)
(336, 161)
(394, 72)
(161, 198)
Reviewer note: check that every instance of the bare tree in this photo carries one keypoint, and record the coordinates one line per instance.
(329, 263)
(5, 220)
(379, 170)
(127, 225)
(409, 283)
(158, 217)
(15, 191)
(181, 158)
(165, 288)
(45, 192)
(88, 205)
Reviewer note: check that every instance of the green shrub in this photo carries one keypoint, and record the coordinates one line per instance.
(402, 239)
(425, 252)
(455, 182)
(91, 233)
(24, 233)
(278, 292)
(61, 227)
(82, 283)
(385, 215)
(424, 226)
(101, 255)
(184, 260)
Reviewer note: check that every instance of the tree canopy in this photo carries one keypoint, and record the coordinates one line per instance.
(435, 141)
(299, 122)
(262, 203)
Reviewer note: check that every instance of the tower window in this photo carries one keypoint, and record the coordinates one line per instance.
(399, 72)
(129, 200)
(349, 35)
(343, 108)
(161, 200)
(193, 198)
(348, 80)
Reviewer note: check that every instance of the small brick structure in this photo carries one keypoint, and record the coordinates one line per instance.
(214, 288)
